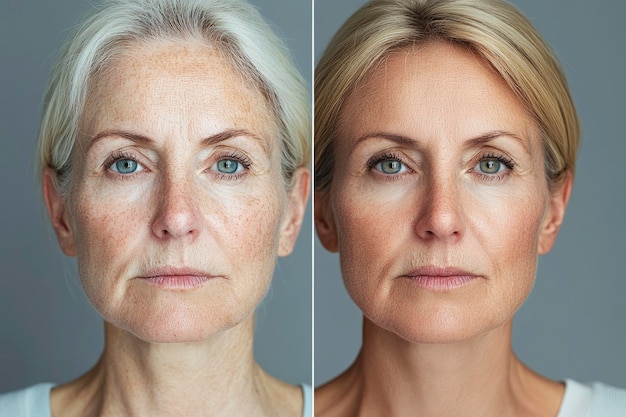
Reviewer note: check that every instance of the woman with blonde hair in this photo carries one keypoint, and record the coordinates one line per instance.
(173, 154)
(445, 147)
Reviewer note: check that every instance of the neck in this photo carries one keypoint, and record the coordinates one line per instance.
(477, 377)
(137, 378)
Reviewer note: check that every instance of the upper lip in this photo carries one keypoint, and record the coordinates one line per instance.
(434, 271)
(174, 271)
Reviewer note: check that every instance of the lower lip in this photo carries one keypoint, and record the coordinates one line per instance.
(442, 283)
(178, 282)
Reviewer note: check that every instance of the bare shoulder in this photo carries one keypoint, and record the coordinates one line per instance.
(285, 400)
(338, 397)
(75, 398)
(534, 394)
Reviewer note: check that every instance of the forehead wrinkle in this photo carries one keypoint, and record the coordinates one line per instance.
(181, 51)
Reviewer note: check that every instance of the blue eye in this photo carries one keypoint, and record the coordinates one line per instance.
(126, 166)
(228, 166)
(390, 167)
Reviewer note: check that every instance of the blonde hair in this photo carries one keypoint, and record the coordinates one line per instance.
(494, 29)
(233, 26)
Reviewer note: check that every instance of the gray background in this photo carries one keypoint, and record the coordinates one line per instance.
(48, 330)
(574, 323)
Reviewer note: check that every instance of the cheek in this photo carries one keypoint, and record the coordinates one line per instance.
(109, 227)
(377, 239)
(238, 236)
(505, 239)
(237, 220)
(508, 233)
(371, 228)
(249, 227)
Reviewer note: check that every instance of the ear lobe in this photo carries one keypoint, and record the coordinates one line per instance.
(58, 214)
(297, 199)
(555, 215)
(325, 222)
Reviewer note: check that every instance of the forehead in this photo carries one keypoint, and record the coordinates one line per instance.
(160, 83)
(434, 90)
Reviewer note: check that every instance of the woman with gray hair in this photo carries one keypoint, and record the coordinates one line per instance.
(173, 154)
(445, 147)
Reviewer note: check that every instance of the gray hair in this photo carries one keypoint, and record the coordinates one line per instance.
(233, 26)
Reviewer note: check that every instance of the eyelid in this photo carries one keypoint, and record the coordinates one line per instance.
(385, 156)
(119, 156)
(374, 165)
(235, 155)
(492, 156)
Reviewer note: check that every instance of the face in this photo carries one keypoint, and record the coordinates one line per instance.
(177, 208)
(439, 204)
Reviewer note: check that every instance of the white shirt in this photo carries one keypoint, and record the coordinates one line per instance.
(595, 400)
(35, 402)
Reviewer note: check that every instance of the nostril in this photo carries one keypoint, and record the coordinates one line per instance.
(177, 217)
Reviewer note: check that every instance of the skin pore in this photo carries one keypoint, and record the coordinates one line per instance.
(177, 182)
(441, 169)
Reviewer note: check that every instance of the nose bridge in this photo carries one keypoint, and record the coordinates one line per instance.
(176, 215)
(441, 214)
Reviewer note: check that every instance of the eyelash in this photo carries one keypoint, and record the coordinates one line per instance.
(374, 160)
(235, 156)
(507, 162)
(118, 156)
(386, 156)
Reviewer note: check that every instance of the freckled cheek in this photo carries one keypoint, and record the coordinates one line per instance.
(250, 226)
(108, 233)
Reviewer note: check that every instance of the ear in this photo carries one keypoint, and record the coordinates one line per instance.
(58, 214)
(325, 222)
(554, 216)
(296, 206)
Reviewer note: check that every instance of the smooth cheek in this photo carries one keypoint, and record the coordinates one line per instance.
(506, 236)
(373, 227)
(378, 240)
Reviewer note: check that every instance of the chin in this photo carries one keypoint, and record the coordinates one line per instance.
(173, 333)
(435, 333)
(440, 324)
(179, 324)
(155, 315)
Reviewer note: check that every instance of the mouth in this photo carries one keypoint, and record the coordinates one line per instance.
(440, 279)
(176, 278)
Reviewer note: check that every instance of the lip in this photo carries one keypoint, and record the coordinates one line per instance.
(176, 278)
(440, 279)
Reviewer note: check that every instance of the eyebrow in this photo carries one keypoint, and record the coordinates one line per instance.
(472, 142)
(489, 136)
(208, 141)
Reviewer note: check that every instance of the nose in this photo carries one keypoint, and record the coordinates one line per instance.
(176, 216)
(441, 212)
